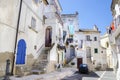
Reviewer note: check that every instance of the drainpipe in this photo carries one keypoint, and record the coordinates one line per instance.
(16, 37)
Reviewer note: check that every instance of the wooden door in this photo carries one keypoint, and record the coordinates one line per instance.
(21, 52)
(48, 37)
(79, 61)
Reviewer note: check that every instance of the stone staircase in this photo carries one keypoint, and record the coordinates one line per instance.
(41, 63)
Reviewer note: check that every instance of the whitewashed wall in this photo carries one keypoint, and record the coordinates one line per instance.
(8, 24)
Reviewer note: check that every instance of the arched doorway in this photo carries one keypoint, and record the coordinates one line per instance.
(48, 37)
(21, 52)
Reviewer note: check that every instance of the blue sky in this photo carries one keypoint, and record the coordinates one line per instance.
(91, 12)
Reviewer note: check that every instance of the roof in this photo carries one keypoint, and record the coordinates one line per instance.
(70, 15)
(88, 30)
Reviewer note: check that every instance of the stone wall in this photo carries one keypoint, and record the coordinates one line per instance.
(51, 66)
(25, 69)
(3, 57)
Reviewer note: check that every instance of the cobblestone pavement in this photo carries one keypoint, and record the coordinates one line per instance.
(56, 75)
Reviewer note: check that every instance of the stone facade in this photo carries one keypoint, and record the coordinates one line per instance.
(3, 58)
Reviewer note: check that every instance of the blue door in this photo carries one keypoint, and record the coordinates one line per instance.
(21, 52)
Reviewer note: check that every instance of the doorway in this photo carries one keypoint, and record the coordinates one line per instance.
(48, 37)
(21, 52)
(79, 61)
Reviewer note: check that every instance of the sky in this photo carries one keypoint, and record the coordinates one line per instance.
(91, 12)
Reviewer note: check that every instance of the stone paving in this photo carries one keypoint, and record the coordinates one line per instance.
(56, 75)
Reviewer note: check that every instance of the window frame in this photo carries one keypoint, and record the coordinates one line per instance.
(33, 23)
(95, 50)
(88, 37)
(95, 38)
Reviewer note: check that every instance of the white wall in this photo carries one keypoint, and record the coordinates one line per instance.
(53, 53)
(8, 24)
(92, 44)
(81, 54)
(109, 55)
(32, 37)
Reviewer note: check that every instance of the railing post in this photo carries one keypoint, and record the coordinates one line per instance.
(7, 72)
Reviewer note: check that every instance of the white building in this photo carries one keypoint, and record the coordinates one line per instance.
(88, 47)
(109, 55)
(29, 34)
(70, 25)
(115, 36)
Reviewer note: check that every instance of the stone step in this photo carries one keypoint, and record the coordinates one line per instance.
(37, 71)
(109, 69)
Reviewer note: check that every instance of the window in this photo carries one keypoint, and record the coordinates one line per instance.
(107, 44)
(88, 37)
(95, 38)
(64, 35)
(44, 18)
(95, 50)
(36, 1)
(33, 23)
(81, 44)
(88, 51)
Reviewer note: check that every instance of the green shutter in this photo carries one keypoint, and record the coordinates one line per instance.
(95, 50)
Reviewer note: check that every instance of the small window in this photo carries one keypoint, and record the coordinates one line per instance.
(33, 23)
(44, 17)
(88, 37)
(95, 50)
(81, 44)
(95, 38)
